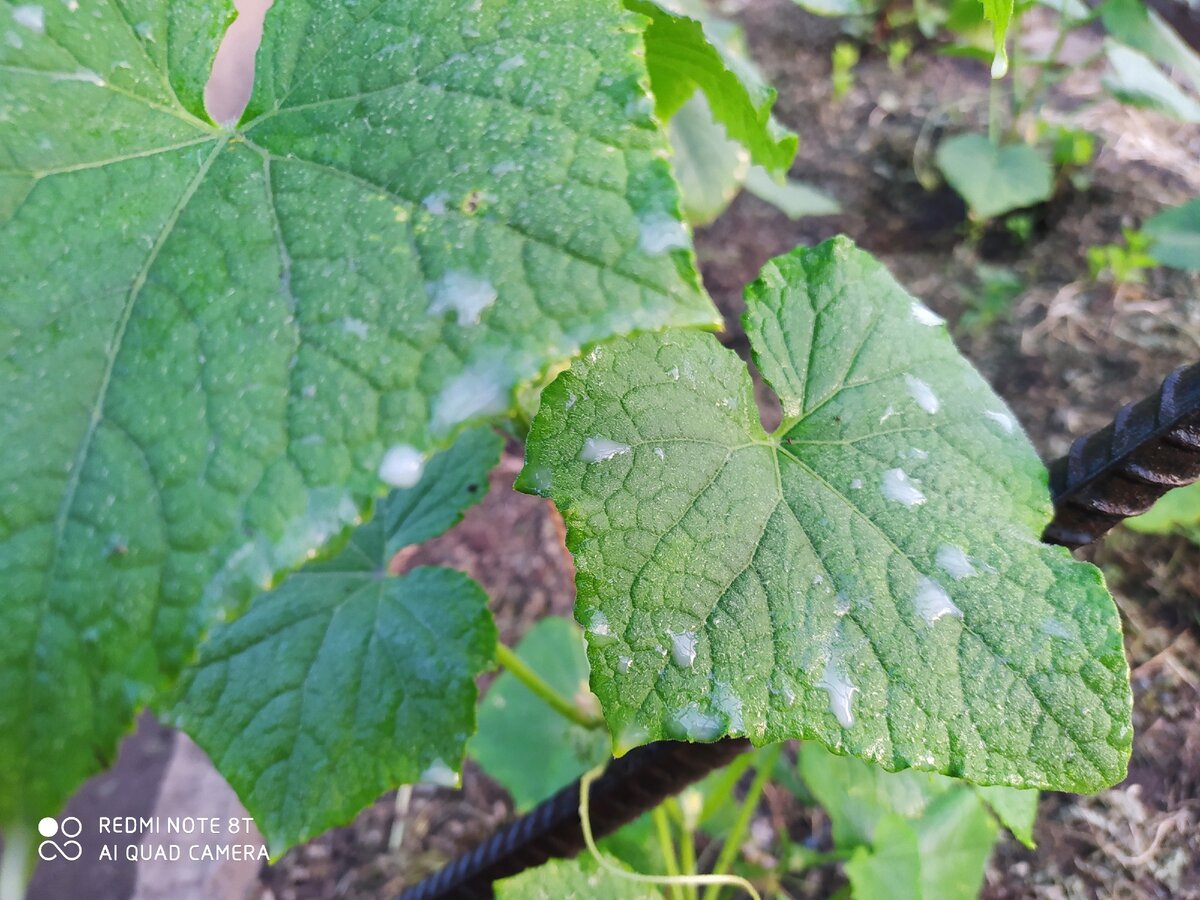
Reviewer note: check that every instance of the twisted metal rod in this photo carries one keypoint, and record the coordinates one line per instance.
(1111, 474)
(1121, 469)
(631, 785)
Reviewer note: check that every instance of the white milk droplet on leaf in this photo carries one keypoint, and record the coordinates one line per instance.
(683, 648)
(599, 630)
(598, 449)
(953, 561)
(465, 294)
(440, 775)
(661, 233)
(925, 315)
(1003, 419)
(1055, 628)
(356, 327)
(840, 689)
(472, 394)
(897, 486)
(694, 724)
(435, 203)
(402, 466)
(932, 602)
(923, 394)
(30, 16)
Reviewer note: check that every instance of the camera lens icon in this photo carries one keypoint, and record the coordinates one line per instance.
(70, 827)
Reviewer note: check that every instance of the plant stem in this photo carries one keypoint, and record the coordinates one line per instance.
(663, 828)
(733, 843)
(687, 847)
(540, 687)
(14, 863)
(824, 859)
(1044, 67)
(994, 111)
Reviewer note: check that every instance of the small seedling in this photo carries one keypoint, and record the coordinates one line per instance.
(1123, 263)
(844, 59)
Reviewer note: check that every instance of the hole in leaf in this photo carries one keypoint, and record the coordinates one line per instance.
(228, 89)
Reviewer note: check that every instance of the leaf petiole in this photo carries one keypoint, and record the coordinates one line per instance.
(662, 829)
(687, 843)
(733, 843)
(542, 689)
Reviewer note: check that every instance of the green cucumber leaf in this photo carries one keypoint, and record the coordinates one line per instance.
(709, 166)
(575, 879)
(794, 199)
(931, 833)
(1177, 511)
(870, 575)
(210, 337)
(1016, 810)
(995, 180)
(683, 55)
(345, 682)
(857, 795)
(891, 872)
(1133, 23)
(1175, 236)
(1135, 79)
(942, 856)
(448, 485)
(524, 745)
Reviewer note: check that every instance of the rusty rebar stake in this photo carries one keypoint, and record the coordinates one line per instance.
(1121, 469)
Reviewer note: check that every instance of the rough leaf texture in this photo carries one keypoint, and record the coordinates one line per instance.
(869, 576)
(209, 337)
(344, 681)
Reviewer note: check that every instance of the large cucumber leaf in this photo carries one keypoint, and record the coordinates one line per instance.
(344, 681)
(870, 575)
(210, 337)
